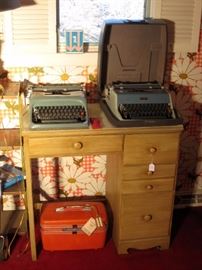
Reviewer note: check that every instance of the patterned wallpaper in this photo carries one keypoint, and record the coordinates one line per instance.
(184, 78)
(77, 176)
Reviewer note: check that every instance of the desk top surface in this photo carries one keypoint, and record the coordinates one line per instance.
(106, 127)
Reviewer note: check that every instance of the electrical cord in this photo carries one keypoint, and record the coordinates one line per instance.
(16, 231)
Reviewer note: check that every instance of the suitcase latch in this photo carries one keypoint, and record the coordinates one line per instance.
(74, 229)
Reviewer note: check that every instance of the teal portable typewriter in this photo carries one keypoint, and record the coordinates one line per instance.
(57, 106)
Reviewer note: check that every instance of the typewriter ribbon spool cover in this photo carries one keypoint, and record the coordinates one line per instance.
(131, 66)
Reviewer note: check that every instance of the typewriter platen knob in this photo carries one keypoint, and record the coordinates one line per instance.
(78, 145)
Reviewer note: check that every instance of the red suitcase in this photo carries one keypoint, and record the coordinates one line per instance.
(73, 225)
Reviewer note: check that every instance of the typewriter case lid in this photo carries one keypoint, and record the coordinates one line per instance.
(132, 51)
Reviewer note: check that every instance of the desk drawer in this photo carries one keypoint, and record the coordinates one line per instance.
(142, 148)
(153, 185)
(79, 145)
(145, 216)
(141, 171)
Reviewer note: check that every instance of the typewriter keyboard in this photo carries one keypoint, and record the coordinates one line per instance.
(145, 111)
(58, 114)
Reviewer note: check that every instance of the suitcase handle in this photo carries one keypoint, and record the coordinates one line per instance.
(73, 208)
(85, 207)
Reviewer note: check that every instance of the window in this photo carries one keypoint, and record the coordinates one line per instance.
(89, 15)
(30, 33)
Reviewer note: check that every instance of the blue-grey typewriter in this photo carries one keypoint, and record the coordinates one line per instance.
(131, 65)
(57, 106)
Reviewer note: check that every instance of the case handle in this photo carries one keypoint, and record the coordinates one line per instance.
(85, 207)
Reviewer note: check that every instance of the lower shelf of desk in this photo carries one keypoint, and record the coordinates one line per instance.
(12, 221)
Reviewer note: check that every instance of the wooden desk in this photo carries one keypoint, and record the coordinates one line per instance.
(141, 201)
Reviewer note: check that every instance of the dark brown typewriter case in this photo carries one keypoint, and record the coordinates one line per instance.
(132, 52)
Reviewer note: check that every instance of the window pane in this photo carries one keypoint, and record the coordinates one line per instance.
(88, 15)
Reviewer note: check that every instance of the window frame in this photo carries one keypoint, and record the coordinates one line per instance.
(187, 15)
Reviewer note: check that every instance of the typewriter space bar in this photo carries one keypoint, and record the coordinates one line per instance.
(59, 121)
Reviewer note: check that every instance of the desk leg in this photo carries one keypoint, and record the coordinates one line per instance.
(113, 190)
(30, 205)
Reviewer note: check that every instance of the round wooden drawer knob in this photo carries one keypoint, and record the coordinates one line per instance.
(147, 217)
(78, 145)
(149, 187)
(152, 150)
